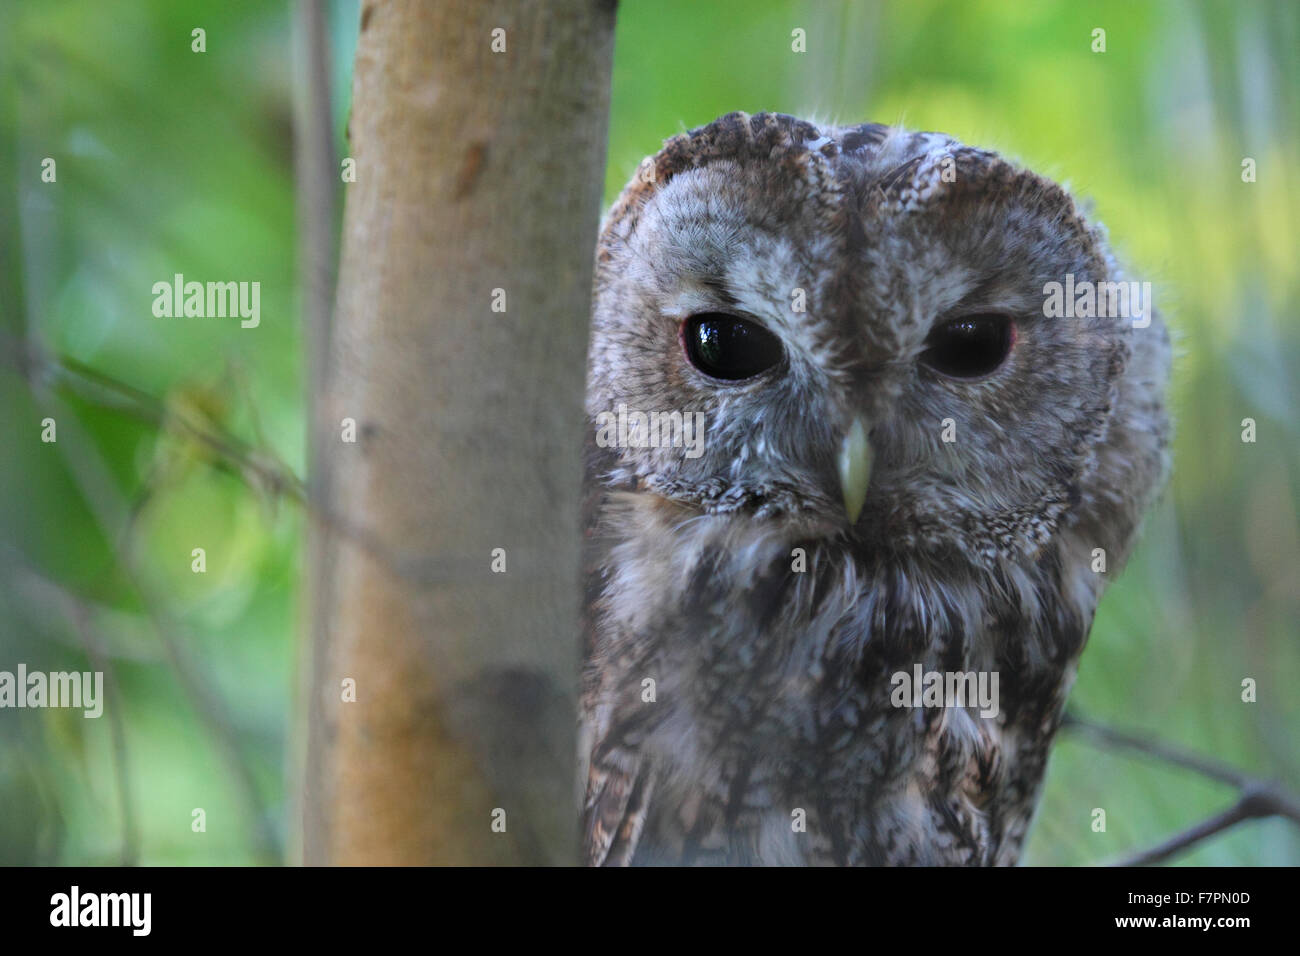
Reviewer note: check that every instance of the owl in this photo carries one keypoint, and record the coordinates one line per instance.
(857, 474)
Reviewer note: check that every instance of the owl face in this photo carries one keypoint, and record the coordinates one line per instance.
(864, 321)
(859, 315)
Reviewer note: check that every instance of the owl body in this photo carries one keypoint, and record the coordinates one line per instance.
(907, 467)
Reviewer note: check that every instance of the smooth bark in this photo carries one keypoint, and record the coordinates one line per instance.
(478, 182)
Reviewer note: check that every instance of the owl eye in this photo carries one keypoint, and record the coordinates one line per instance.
(729, 347)
(969, 347)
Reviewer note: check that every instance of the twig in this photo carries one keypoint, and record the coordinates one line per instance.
(1118, 738)
(105, 502)
(1257, 798)
(230, 453)
(1253, 805)
(257, 468)
(80, 615)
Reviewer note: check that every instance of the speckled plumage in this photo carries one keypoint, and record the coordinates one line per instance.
(771, 684)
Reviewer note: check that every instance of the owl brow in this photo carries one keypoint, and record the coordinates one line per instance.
(716, 286)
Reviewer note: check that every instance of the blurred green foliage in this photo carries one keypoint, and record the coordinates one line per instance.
(170, 161)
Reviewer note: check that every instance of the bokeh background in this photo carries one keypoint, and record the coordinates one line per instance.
(170, 161)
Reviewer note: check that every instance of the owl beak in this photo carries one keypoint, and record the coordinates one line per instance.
(855, 469)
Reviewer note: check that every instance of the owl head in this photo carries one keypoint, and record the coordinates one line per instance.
(887, 338)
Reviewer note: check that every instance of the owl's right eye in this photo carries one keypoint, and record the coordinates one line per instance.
(969, 347)
(729, 347)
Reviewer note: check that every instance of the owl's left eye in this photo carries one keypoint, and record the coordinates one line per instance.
(969, 347)
(729, 347)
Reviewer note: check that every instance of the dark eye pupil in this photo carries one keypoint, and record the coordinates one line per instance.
(968, 347)
(728, 347)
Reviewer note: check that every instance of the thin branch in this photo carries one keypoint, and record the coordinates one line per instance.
(318, 182)
(1257, 798)
(1109, 736)
(211, 709)
(106, 504)
(255, 467)
(1253, 805)
(317, 190)
(101, 661)
(230, 453)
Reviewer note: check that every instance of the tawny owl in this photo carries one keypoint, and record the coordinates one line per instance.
(850, 444)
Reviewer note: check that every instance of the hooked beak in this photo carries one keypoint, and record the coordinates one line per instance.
(855, 469)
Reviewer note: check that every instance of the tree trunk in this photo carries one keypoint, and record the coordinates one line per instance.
(458, 351)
